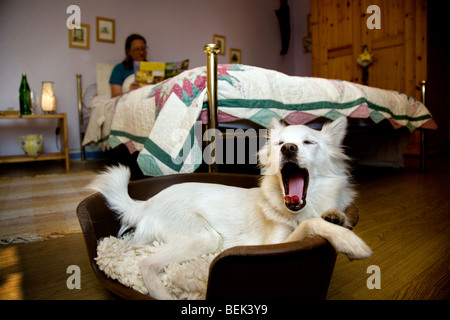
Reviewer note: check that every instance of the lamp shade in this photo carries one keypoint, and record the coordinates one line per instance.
(48, 103)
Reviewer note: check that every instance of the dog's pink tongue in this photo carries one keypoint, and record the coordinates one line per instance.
(296, 185)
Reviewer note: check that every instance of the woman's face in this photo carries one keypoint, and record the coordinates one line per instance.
(138, 50)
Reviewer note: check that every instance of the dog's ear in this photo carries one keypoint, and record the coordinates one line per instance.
(264, 153)
(275, 129)
(276, 124)
(335, 131)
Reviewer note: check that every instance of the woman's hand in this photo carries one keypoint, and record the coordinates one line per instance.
(134, 86)
(116, 90)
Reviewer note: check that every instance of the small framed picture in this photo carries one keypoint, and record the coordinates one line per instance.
(220, 41)
(79, 38)
(235, 56)
(307, 45)
(106, 30)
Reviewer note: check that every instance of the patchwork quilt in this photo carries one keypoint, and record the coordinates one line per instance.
(163, 121)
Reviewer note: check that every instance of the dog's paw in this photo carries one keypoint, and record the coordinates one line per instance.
(351, 245)
(335, 216)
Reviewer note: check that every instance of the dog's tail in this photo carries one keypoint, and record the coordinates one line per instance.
(113, 185)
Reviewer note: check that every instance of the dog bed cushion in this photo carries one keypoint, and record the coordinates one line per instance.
(118, 258)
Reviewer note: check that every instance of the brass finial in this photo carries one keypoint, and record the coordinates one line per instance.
(211, 48)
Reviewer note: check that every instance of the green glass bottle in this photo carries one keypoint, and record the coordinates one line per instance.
(24, 96)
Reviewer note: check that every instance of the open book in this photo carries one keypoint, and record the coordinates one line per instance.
(153, 72)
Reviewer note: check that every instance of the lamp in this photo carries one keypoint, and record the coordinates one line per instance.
(48, 97)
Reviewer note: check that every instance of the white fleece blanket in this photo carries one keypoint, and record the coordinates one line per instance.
(118, 259)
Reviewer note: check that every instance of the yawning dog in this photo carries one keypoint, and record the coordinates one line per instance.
(304, 183)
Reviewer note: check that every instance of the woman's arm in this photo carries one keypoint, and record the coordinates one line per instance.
(116, 90)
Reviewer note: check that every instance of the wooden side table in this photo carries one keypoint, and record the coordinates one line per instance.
(63, 155)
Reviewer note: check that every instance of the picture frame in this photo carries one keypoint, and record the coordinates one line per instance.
(79, 37)
(307, 44)
(106, 30)
(235, 56)
(221, 43)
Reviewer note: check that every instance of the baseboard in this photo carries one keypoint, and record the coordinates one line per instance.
(76, 155)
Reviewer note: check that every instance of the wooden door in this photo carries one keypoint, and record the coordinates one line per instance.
(336, 39)
(399, 47)
(340, 30)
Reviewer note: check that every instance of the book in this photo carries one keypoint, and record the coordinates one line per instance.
(147, 72)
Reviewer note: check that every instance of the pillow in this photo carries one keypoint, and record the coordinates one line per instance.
(104, 71)
(127, 83)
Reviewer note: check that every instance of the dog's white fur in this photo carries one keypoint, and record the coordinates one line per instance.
(199, 218)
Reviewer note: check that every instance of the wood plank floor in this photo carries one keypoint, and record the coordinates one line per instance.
(404, 218)
(38, 271)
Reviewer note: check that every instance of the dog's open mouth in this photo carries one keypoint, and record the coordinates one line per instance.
(295, 182)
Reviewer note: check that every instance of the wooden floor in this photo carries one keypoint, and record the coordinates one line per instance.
(404, 218)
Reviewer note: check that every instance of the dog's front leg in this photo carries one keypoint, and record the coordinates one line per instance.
(342, 239)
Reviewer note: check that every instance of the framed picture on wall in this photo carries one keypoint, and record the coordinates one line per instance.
(79, 38)
(220, 41)
(307, 44)
(235, 56)
(106, 30)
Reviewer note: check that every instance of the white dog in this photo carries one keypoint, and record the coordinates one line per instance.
(304, 180)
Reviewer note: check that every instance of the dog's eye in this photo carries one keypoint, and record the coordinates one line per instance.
(309, 142)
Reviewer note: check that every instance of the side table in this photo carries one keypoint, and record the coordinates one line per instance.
(63, 155)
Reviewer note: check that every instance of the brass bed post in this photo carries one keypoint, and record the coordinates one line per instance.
(423, 149)
(211, 71)
(80, 114)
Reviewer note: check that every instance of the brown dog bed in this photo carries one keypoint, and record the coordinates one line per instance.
(295, 270)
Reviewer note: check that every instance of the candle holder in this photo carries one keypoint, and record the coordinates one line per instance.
(48, 103)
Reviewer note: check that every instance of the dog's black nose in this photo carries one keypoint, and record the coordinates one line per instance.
(289, 149)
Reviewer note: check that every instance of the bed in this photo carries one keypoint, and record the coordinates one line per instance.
(165, 123)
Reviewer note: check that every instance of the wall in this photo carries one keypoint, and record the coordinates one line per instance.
(34, 40)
